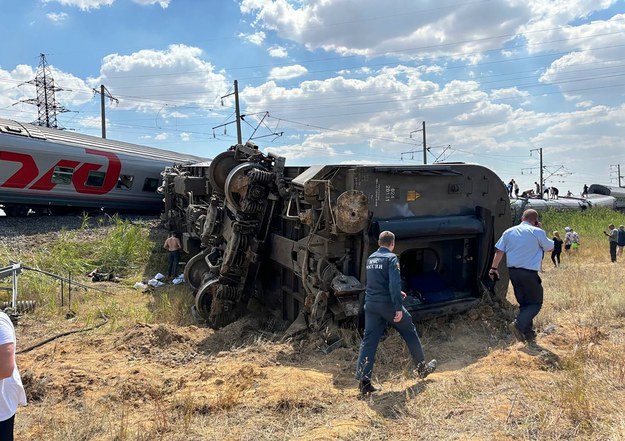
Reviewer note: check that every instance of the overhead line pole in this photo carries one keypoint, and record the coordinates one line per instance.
(237, 111)
(422, 129)
(425, 158)
(540, 151)
(104, 93)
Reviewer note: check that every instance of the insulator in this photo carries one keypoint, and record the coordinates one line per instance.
(260, 176)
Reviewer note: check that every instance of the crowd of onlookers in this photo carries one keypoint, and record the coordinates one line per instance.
(550, 192)
(571, 242)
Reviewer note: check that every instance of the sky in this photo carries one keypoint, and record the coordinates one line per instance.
(338, 81)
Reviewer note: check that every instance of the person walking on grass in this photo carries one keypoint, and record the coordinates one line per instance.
(524, 246)
(557, 248)
(383, 307)
(620, 242)
(172, 244)
(11, 388)
(613, 239)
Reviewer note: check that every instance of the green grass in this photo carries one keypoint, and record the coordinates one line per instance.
(116, 245)
(589, 223)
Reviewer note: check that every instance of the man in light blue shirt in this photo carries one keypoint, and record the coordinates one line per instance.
(524, 246)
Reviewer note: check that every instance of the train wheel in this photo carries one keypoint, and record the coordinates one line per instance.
(237, 183)
(195, 269)
(204, 298)
(220, 166)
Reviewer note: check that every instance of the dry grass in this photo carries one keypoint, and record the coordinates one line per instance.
(150, 375)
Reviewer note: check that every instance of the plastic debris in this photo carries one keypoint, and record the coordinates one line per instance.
(178, 280)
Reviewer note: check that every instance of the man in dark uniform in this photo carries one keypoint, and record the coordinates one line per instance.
(524, 246)
(383, 306)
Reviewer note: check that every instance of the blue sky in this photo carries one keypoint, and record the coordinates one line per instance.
(341, 81)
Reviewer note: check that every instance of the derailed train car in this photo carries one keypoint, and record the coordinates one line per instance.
(296, 239)
(565, 203)
(609, 191)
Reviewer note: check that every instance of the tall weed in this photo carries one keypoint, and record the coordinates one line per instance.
(589, 223)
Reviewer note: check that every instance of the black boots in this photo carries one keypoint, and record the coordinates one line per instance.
(366, 387)
(424, 369)
(516, 332)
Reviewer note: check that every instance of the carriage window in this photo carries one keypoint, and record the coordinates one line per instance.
(95, 179)
(150, 184)
(62, 175)
(125, 182)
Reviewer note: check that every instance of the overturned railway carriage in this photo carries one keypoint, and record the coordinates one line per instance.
(608, 191)
(296, 239)
(519, 205)
(51, 170)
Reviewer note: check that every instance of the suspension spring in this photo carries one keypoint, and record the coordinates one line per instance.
(260, 176)
(251, 206)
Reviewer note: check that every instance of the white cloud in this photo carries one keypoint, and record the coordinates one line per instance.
(592, 62)
(388, 97)
(305, 150)
(287, 72)
(161, 136)
(91, 122)
(405, 29)
(277, 52)
(508, 92)
(57, 17)
(184, 136)
(162, 3)
(84, 5)
(175, 114)
(256, 38)
(139, 80)
(87, 5)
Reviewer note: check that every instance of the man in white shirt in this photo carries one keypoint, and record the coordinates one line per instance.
(524, 246)
(11, 388)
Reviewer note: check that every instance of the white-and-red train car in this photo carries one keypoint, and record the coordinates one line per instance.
(44, 169)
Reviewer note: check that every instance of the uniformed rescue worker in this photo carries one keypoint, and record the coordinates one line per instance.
(383, 306)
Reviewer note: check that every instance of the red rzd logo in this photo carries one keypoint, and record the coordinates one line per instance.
(28, 172)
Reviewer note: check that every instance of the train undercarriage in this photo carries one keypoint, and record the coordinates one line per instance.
(296, 239)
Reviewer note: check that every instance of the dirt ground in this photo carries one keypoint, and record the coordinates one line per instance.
(160, 381)
(136, 379)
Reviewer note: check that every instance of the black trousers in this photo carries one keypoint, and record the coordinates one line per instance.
(528, 290)
(555, 256)
(613, 246)
(6, 429)
(172, 268)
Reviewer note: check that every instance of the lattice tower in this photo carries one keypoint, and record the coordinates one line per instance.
(47, 107)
